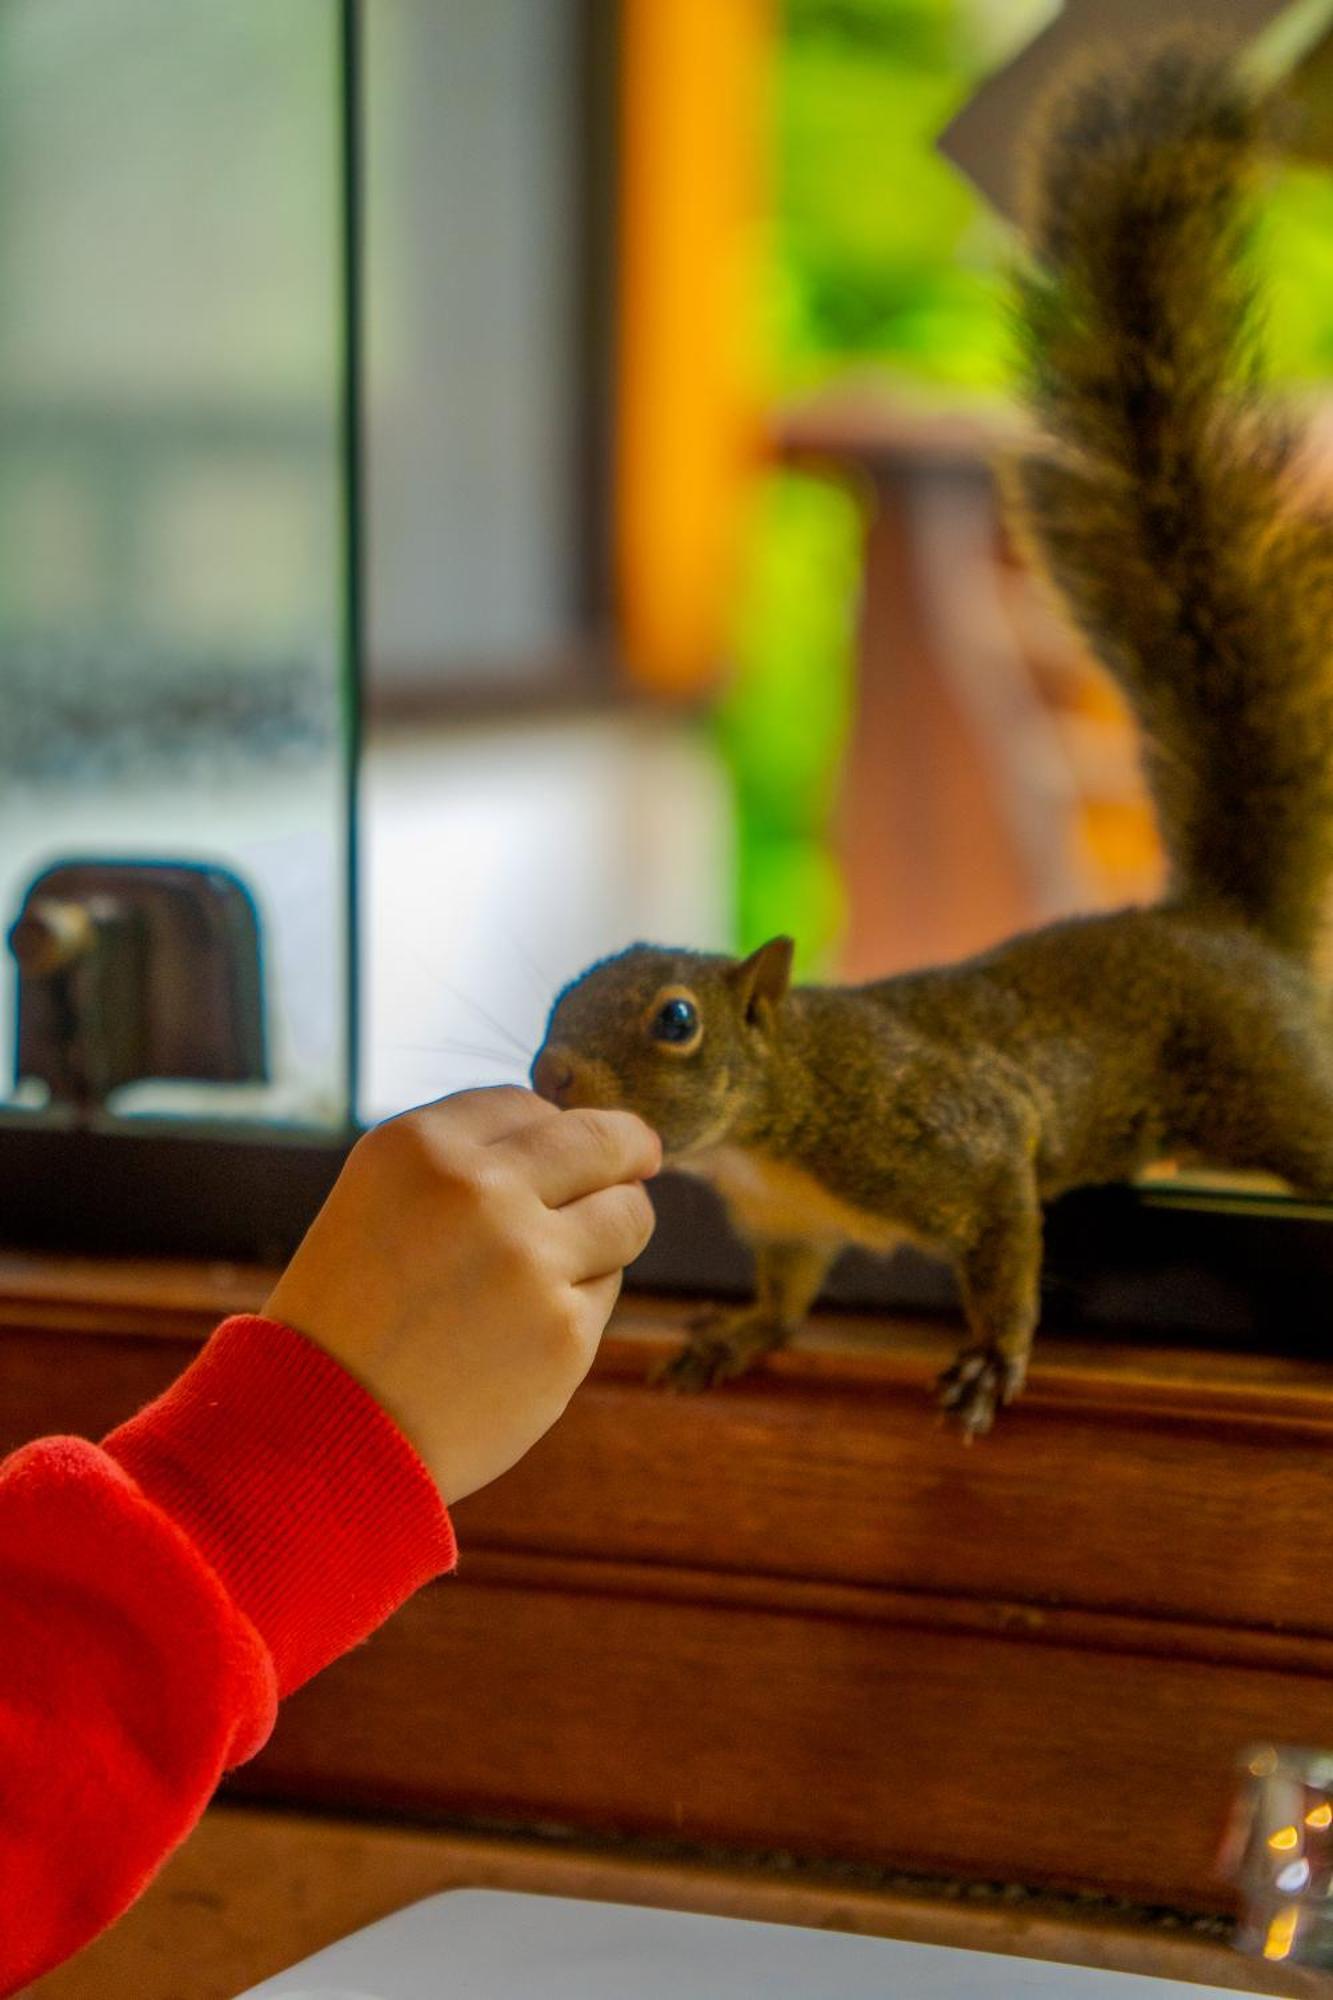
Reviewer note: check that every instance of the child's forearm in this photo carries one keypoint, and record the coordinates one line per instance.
(157, 1597)
(160, 1595)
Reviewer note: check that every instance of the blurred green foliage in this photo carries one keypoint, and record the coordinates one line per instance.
(879, 253)
(782, 723)
(882, 258)
(1296, 247)
(882, 252)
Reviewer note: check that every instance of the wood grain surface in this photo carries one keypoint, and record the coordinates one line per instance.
(254, 1892)
(799, 1618)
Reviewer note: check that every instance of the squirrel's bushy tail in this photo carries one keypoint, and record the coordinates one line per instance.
(1164, 500)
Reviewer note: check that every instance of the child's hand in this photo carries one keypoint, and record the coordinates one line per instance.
(465, 1266)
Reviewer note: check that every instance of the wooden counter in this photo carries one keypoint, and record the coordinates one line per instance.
(797, 1623)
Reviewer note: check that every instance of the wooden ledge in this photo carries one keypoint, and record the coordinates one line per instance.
(797, 1613)
(252, 1892)
(155, 1298)
(181, 1301)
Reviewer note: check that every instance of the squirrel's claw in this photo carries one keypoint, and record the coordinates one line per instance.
(694, 1368)
(722, 1345)
(977, 1384)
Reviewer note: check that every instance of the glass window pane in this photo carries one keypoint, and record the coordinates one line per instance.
(473, 257)
(171, 498)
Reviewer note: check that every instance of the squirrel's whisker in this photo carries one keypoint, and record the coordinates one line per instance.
(507, 1035)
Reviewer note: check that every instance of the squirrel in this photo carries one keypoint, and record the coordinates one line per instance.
(946, 1106)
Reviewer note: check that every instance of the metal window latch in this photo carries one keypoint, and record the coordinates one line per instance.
(129, 970)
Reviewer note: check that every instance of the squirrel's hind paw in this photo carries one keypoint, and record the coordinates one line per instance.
(973, 1389)
(696, 1367)
(722, 1346)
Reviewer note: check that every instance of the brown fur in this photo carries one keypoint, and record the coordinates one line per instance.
(948, 1105)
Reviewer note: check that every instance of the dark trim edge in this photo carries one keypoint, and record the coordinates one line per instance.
(1235, 1271)
(243, 1196)
(1242, 1272)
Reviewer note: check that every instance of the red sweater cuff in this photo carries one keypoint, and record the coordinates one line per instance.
(304, 1497)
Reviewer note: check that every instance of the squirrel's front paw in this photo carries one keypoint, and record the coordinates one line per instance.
(977, 1384)
(721, 1346)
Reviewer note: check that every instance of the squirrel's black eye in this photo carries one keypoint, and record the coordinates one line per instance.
(676, 1021)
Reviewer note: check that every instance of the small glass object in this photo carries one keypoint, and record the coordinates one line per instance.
(1280, 1855)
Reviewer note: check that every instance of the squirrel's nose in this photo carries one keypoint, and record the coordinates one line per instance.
(553, 1075)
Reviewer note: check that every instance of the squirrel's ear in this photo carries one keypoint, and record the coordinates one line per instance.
(764, 976)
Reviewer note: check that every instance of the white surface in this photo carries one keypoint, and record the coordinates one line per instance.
(496, 864)
(483, 1945)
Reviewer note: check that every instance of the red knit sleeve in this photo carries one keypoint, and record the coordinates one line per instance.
(159, 1594)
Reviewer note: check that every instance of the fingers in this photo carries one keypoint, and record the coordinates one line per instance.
(597, 1300)
(603, 1232)
(484, 1117)
(576, 1153)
